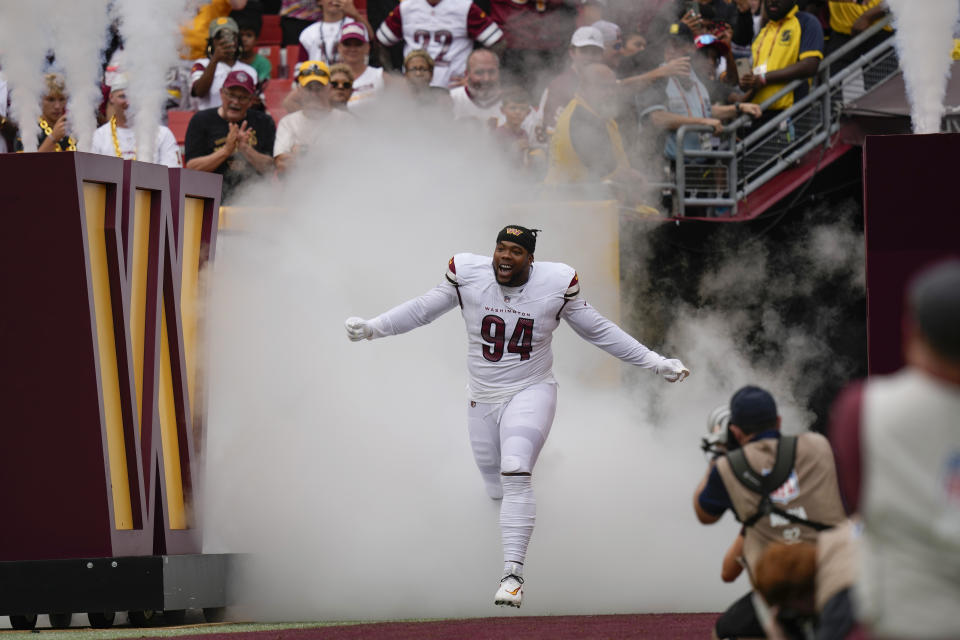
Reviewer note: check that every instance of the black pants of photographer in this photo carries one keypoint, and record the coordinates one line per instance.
(740, 620)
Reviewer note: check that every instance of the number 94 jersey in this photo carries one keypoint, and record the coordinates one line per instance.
(510, 329)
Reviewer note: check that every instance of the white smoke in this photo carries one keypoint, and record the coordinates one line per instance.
(80, 29)
(345, 469)
(25, 38)
(924, 33)
(151, 35)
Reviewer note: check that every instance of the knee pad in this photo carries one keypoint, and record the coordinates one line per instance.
(514, 464)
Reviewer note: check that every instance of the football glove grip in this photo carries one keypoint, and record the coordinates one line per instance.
(672, 370)
(358, 329)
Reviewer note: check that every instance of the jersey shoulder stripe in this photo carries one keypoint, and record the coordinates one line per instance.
(574, 289)
(469, 268)
(452, 272)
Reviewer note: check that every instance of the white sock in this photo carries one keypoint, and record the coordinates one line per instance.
(518, 513)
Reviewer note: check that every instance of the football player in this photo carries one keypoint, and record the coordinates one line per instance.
(511, 307)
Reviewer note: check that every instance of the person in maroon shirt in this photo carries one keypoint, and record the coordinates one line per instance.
(536, 31)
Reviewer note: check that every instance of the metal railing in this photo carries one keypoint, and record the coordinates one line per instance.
(738, 166)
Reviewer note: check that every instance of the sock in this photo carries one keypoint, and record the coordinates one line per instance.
(518, 513)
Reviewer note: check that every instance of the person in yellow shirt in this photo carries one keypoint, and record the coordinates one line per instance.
(789, 47)
(850, 18)
(587, 147)
(195, 33)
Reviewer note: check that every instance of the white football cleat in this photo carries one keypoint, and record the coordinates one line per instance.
(510, 592)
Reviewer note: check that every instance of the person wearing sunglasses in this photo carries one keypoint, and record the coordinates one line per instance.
(368, 82)
(303, 131)
(341, 86)
(232, 139)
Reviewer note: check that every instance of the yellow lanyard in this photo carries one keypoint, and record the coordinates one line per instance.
(116, 141)
(47, 129)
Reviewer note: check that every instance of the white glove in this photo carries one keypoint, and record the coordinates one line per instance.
(672, 370)
(358, 329)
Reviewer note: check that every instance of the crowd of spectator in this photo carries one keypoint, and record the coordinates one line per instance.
(579, 91)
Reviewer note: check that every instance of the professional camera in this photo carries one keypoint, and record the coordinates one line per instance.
(718, 440)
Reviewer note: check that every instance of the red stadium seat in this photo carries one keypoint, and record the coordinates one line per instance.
(273, 95)
(177, 121)
(271, 34)
(293, 55)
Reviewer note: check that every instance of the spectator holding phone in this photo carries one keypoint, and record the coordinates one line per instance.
(52, 134)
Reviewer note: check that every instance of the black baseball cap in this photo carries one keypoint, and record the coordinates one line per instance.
(752, 408)
(680, 31)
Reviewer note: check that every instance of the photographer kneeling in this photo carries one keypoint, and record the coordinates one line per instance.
(782, 488)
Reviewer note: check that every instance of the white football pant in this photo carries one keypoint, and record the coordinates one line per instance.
(506, 439)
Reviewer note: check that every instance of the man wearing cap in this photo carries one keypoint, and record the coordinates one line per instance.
(223, 57)
(897, 440)
(683, 99)
(117, 138)
(368, 82)
(321, 40)
(232, 139)
(810, 492)
(195, 32)
(586, 47)
(304, 130)
(511, 307)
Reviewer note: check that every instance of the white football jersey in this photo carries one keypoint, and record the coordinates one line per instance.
(510, 329)
(446, 31)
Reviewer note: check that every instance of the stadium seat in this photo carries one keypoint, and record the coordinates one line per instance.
(273, 95)
(293, 54)
(270, 34)
(177, 121)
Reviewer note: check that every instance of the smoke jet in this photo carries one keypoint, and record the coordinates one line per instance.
(25, 38)
(80, 29)
(151, 37)
(924, 36)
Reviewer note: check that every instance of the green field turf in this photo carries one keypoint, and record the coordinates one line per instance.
(86, 633)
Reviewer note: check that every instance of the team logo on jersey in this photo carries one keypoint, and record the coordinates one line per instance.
(786, 35)
(788, 491)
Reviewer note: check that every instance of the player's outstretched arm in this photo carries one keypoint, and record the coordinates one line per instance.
(598, 330)
(405, 317)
